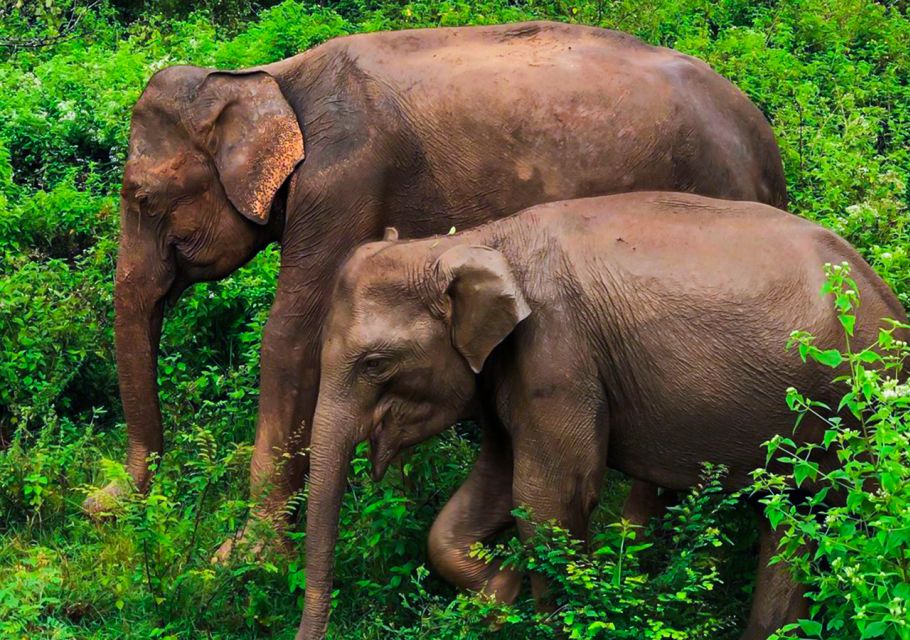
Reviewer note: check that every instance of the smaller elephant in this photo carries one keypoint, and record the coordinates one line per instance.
(643, 331)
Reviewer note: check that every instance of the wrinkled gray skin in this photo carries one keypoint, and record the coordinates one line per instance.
(642, 331)
(424, 130)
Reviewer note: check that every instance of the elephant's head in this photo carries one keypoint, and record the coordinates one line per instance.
(208, 154)
(405, 336)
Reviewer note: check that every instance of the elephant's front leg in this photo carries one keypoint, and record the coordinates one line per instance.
(289, 387)
(288, 393)
(480, 509)
(560, 453)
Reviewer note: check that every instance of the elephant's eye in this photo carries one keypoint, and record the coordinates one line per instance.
(142, 201)
(376, 366)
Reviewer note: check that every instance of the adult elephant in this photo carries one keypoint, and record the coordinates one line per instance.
(423, 130)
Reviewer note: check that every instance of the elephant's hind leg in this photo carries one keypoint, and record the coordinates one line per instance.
(479, 510)
(778, 598)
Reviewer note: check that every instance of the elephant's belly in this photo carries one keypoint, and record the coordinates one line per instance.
(709, 400)
(672, 453)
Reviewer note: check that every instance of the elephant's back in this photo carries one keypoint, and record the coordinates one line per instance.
(486, 121)
(448, 45)
(571, 112)
(546, 56)
(691, 243)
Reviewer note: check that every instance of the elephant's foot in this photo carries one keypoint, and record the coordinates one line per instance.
(504, 586)
(106, 501)
(756, 633)
(778, 601)
(258, 539)
(479, 511)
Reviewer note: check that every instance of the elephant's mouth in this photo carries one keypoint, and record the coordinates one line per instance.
(380, 453)
(173, 295)
(375, 436)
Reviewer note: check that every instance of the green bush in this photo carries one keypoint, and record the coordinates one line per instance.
(663, 585)
(850, 543)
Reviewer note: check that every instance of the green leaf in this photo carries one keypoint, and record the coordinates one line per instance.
(875, 630)
(803, 470)
(829, 357)
(811, 628)
(868, 356)
(848, 322)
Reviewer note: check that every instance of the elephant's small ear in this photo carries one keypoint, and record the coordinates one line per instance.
(244, 121)
(390, 234)
(487, 303)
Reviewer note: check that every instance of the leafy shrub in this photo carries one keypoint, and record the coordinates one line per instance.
(850, 543)
(651, 587)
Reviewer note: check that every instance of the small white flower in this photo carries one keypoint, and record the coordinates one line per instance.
(66, 110)
(895, 391)
(157, 65)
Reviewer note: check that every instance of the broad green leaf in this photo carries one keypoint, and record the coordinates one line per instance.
(811, 627)
(829, 357)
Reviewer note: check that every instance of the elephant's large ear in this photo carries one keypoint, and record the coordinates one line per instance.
(252, 134)
(486, 302)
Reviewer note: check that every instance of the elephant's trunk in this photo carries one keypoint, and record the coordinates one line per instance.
(330, 456)
(139, 310)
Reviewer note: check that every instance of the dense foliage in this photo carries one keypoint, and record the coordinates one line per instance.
(833, 77)
(849, 541)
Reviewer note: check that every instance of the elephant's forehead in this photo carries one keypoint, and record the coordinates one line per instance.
(167, 175)
(371, 269)
(367, 257)
(154, 142)
(141, 167)
(383, 304)
(376, 317)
